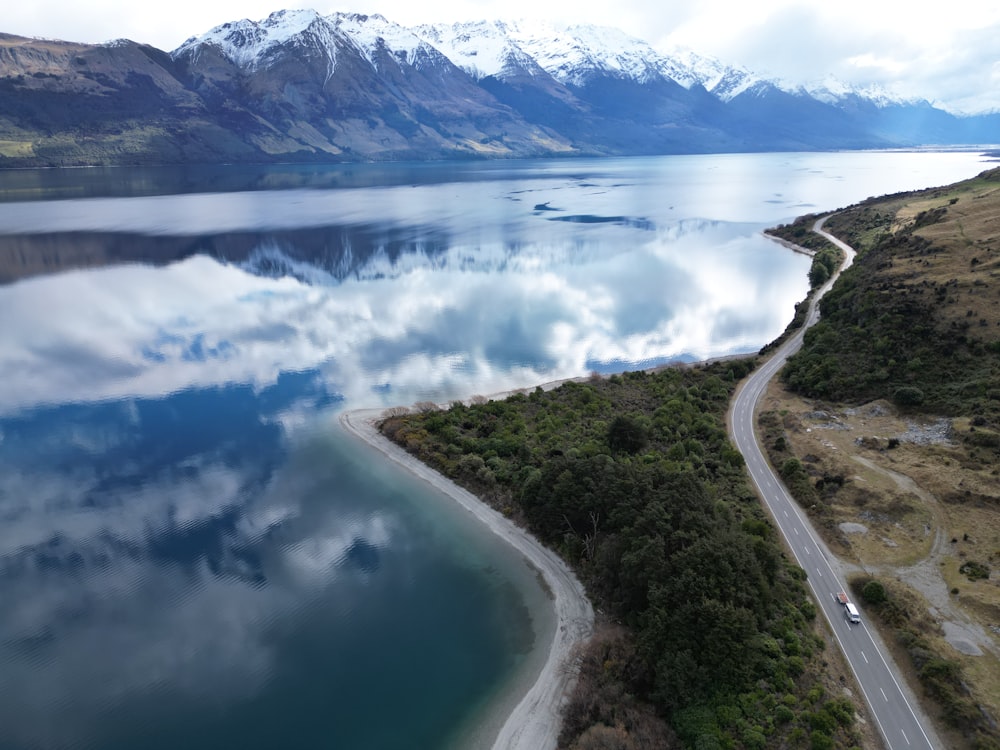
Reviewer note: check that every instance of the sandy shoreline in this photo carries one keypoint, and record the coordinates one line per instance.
(535, 722)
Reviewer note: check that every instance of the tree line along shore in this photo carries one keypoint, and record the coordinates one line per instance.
(706, 637)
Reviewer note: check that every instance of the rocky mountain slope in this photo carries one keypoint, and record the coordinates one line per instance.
(300, 86)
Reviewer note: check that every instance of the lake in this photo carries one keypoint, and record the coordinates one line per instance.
(194, 554)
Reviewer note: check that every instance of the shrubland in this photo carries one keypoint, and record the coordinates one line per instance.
(888, 425)
(708, 628)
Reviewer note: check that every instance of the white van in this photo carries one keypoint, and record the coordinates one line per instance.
(851, 613)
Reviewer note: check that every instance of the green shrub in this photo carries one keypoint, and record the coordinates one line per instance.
(808, 610)
(783, 714)
(754, 738)
(818, 274)
(823, 722)
(626, 434)
(791, 468)
(841, 710)
(975, 571)
(908, 395)
(873, 592)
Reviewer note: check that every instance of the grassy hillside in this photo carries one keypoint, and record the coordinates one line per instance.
(887, 430)
(917, 319)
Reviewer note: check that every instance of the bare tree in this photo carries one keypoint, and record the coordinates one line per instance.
(395, 411)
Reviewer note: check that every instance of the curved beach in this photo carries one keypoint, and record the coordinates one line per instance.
(535, 722)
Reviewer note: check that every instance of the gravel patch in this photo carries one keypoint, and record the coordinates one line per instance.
(853, 528)
(939, 432)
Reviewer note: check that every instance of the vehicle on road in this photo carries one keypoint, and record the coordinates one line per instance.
(851, 613)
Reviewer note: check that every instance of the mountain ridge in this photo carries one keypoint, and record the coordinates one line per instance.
(301, 86)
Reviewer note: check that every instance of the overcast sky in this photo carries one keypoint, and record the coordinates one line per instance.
(949, 54)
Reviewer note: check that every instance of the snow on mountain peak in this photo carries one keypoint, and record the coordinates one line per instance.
(572, 53)
(369, 32)
(251, 44)
(831, 90)
(247, 42)
(480, 48)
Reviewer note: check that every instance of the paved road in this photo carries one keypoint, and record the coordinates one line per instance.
(891, 703)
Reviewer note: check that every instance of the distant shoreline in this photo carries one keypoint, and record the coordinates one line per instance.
(535, 722)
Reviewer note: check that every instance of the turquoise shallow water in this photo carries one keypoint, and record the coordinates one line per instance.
(193, 554)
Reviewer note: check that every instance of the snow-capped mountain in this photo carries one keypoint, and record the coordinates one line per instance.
(348, 85)
(574, 54)
(302, 86)
(570, 54)
(253, 45)
(689, 68)
(833, 91)
(482, 49)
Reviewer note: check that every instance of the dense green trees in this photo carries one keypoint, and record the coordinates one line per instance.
(633, 480)
(824, 263)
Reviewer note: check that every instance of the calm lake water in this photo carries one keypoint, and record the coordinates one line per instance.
(193, 554)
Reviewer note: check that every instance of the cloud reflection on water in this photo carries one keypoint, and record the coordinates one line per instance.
(165, 521)
(509, 319)
(148, 411)
(137, 574)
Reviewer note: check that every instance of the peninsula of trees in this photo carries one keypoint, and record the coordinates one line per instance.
(708, 637)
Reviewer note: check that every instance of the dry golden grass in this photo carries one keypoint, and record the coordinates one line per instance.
(912, 537)
(967, 256)
(16, 149)
(914, 510)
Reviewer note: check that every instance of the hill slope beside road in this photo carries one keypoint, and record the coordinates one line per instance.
(890, 702)
(891, 412)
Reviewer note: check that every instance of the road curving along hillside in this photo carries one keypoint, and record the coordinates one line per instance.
(892, 704)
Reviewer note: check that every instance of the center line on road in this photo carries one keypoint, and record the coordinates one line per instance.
(884, 695)
(904, 736)
(864, 657)
(819, 572)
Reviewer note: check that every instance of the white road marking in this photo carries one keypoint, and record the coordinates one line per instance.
(904, 736)
(778, 496)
